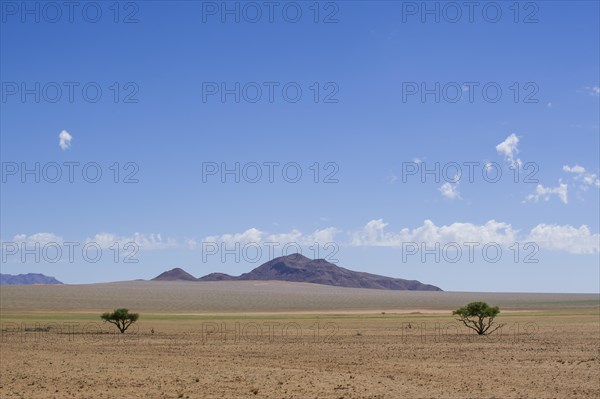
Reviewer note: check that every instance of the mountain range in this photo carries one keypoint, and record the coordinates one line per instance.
(29, 278)
(298, 268)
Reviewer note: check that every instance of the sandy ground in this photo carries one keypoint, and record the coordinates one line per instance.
(269, 296)
(292, 341)
(537, 355)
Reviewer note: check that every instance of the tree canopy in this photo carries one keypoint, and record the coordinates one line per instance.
(121, 318)
(479, 316)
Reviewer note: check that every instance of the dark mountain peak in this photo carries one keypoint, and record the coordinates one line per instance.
(29, 278)
(297, 257)
(299, 268)
(217, 277)
(176, 274)
(293, 260)
(297, 261)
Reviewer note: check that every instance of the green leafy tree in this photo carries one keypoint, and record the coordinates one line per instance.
(479, 316)
(121, 318)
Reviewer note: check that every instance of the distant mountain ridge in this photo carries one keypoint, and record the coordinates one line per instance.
(298, 268)
(176, 274)
(29, 278)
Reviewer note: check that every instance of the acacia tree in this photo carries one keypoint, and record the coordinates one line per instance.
(479, 316)
(120, 318)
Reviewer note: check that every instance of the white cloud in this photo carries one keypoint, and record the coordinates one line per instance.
(450, 191)
(573, 240)
(565, 238)
(104, 240)
(143, 241)
(574, 169)
(509, 148)
(64, 140)
(589, 180)
(488, 165)
(323, 236)
(37, 238)
(253, 235)
(157, 241)
(544, 193)
(191, 243)
(248, 236)
(374, 234)
(593, 90)
(295, 236)
(581, 175)
(554, 237)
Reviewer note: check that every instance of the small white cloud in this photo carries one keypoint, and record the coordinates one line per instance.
(581, 175)
(323, 236)
(549, 105)
(574, 169)
(593, 90)
(509, 148)
(544, 193)
(450, 191)
(255, 236)
(141, 240)
(249, 236)
(372, 234)
(104, 240)
(191, 243)
(37, 238)
(64, 140)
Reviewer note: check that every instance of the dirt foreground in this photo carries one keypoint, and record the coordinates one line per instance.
(548, 348)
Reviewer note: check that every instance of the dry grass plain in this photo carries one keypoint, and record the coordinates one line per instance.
(289, 340)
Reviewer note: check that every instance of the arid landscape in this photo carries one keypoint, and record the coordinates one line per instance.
(299, 199)
(273, 339)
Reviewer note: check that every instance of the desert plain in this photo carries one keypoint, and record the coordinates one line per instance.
(292, 340)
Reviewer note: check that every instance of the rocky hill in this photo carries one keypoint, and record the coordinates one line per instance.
(29, 278)
(299, 268)
(176, 274)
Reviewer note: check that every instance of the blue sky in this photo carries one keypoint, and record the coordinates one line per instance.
(166, 125)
